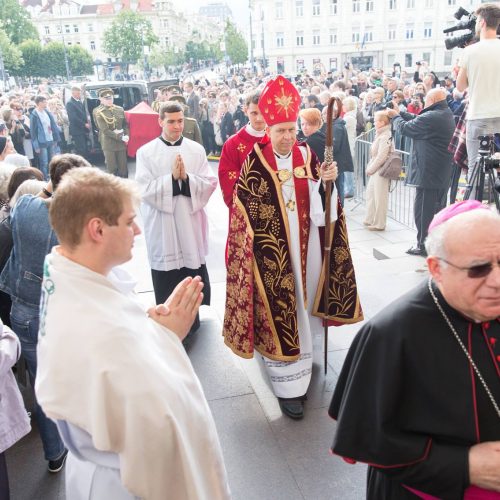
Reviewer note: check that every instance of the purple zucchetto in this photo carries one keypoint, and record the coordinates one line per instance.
(451, 211)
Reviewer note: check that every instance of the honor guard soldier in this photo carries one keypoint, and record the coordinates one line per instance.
(113, 133)
(160, 99)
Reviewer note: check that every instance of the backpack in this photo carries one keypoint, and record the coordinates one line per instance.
(393, 165)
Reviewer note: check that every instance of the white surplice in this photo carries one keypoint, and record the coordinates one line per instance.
(175, 227)
(123, 391)
(291, 379)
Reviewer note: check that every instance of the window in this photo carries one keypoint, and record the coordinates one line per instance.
(427, 30)
(299, 8)
(391, 34)
(333, 7)
(392, 5)
(280, 39)
(426, 56)
(67, 28)
(68, 44)
(356, 5)
(333, 37)
(164, 23)
(316, 7)
(429, 4)
(447, 57)
(368, 36)
(369, 5)
(75, 28)
(59, 28)
(316, 37)
(356, 37)
(408, 60)
(410, 4)
(449, 24)
(92, 45)
(90, 27)
(47, 30)
(452, 2)
(409, 31)
(279, 10)
(391, 59)
(299, 37)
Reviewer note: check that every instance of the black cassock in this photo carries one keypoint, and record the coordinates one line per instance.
(408, 403)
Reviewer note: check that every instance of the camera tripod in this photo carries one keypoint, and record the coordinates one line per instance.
(476, 182)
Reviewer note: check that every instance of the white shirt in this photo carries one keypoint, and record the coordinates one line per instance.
(482, 63)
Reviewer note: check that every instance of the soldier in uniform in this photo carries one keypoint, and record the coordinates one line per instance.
(160, 99)
(191, 128)
(113, 133)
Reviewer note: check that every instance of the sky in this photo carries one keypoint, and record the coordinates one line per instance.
(238, 7)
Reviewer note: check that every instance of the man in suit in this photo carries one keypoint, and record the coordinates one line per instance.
(79, 124)
(192, 100)
(113, 133)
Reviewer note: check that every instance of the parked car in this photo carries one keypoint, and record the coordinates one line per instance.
(127, 94)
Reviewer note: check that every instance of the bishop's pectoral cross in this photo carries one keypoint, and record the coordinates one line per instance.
(290, 205)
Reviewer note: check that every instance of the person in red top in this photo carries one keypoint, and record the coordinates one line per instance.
(237, 147)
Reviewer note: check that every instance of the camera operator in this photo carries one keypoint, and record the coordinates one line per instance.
(479, 71)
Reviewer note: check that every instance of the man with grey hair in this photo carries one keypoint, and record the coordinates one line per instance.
(431, 162)
(418, 396)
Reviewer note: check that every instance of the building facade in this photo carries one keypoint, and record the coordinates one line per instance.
(84, 23)
(322, 35)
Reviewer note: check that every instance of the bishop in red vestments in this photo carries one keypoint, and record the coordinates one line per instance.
(274, 303)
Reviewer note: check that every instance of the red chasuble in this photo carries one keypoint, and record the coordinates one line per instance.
(261, 293)
(234, 152)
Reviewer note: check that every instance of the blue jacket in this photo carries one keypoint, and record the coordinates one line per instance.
(38, 134)
(33, 239)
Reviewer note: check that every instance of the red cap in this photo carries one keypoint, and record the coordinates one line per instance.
(279, 102)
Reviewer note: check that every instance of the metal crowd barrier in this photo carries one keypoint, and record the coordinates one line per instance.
(402, 195)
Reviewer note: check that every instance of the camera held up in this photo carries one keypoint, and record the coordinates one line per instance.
(469, 24)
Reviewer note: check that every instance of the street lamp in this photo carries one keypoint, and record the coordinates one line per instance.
(251, 36)
(263, 42)
(66, 60)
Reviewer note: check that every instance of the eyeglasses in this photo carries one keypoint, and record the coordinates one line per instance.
(479, 271)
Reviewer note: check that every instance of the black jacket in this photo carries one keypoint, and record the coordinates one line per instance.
(431, 132)
(77, 117)
(341, 150)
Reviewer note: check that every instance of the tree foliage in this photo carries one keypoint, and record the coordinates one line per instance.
(80, 61)
(202, 51)
(161, 57)
(127, 36)
(53, 60)
(236, 45)
(16, 22)
(31, 51)
(12, 57)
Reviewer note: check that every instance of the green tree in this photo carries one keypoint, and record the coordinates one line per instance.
(163, 58)
(53, 60)
(80, 61)
(17, 22)
(236, 45)
(12, 56)
(127, 36)
(31, 51)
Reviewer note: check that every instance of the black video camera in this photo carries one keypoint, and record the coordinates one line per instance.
(467, 24)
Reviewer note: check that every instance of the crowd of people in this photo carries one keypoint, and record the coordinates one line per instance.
(140, 426)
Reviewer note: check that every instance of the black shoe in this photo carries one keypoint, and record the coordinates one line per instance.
(58, 464)
(293, 408)
(417, 251)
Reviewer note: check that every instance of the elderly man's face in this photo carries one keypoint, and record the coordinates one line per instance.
(468, 246)
(283, 136)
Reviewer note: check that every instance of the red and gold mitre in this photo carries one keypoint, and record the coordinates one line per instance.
(279, 101)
